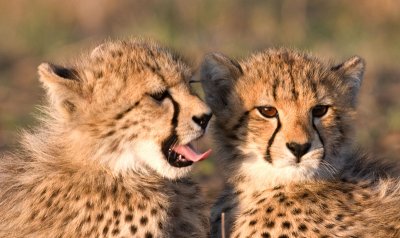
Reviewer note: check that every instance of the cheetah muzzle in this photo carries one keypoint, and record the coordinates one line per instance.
(181, 155)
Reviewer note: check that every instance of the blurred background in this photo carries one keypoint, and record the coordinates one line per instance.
(34, 31)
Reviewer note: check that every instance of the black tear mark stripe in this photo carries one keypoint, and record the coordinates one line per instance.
(271, 140)
(320, 138)
(174, 120)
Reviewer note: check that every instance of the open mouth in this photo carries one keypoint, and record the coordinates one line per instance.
(182, 155)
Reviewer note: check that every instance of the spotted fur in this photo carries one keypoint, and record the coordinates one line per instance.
(95, 166)
(290, 165)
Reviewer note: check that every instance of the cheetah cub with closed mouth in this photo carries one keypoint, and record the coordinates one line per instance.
(283, 132)
(112, 154)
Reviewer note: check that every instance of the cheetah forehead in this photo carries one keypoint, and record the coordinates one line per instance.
(286, 75)
(135, 58)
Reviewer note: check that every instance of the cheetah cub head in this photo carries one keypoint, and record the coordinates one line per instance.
(281, 116)
(127, 106)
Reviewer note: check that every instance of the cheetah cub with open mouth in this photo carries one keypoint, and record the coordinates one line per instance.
(112, 154)
(283, 132)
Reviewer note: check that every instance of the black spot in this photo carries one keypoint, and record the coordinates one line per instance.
(283, 236)
(115, 231)
(33, 215)
(289, 203)
(310, 212)
(296, 211)
(98, 74)
(110, 133)
(286, 224)
(252, 222)
(261, 201)
(281, 214)
(277, 188)
(330, 226)
(302, 227)
(265, 235)
(128, 196)
(269, 224)
(114, 189)
(129, 217)
(142, 206)
(89, 205)
(133, 229)
(304, 195)
(144, 220)
(339, 217)
(270, 209)
(148, 235)
(318, 220)
(153, 212)
(116, 213)
(105, 230)
(100, 217)
(160, 225)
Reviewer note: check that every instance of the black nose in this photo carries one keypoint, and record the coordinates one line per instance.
(298, 149)
(202, 121)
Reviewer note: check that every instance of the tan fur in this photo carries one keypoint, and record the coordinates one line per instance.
(327, 189)
(94, 167)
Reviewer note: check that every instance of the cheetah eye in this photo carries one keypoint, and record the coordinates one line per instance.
(320, 110)
(159, 96)
(268, 112)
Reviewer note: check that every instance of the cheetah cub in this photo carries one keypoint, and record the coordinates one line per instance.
(283, 132)
(112, 154)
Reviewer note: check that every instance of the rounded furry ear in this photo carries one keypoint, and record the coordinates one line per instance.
(352, 72)
(62, 86)
(218, 74)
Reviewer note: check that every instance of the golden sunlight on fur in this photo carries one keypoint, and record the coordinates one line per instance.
(112, 153)
(283, 132)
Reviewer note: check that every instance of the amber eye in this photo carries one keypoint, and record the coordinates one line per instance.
(319, 110)
(268, 112)
(160, 95)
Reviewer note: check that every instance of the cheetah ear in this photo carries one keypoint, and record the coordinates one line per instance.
(62, 86)
(352, 73)
(218, 74)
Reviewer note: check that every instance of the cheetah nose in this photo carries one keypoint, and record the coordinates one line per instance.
(298, 150)
(202, 121)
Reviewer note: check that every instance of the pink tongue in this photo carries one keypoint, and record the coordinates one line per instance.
(191, 154)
